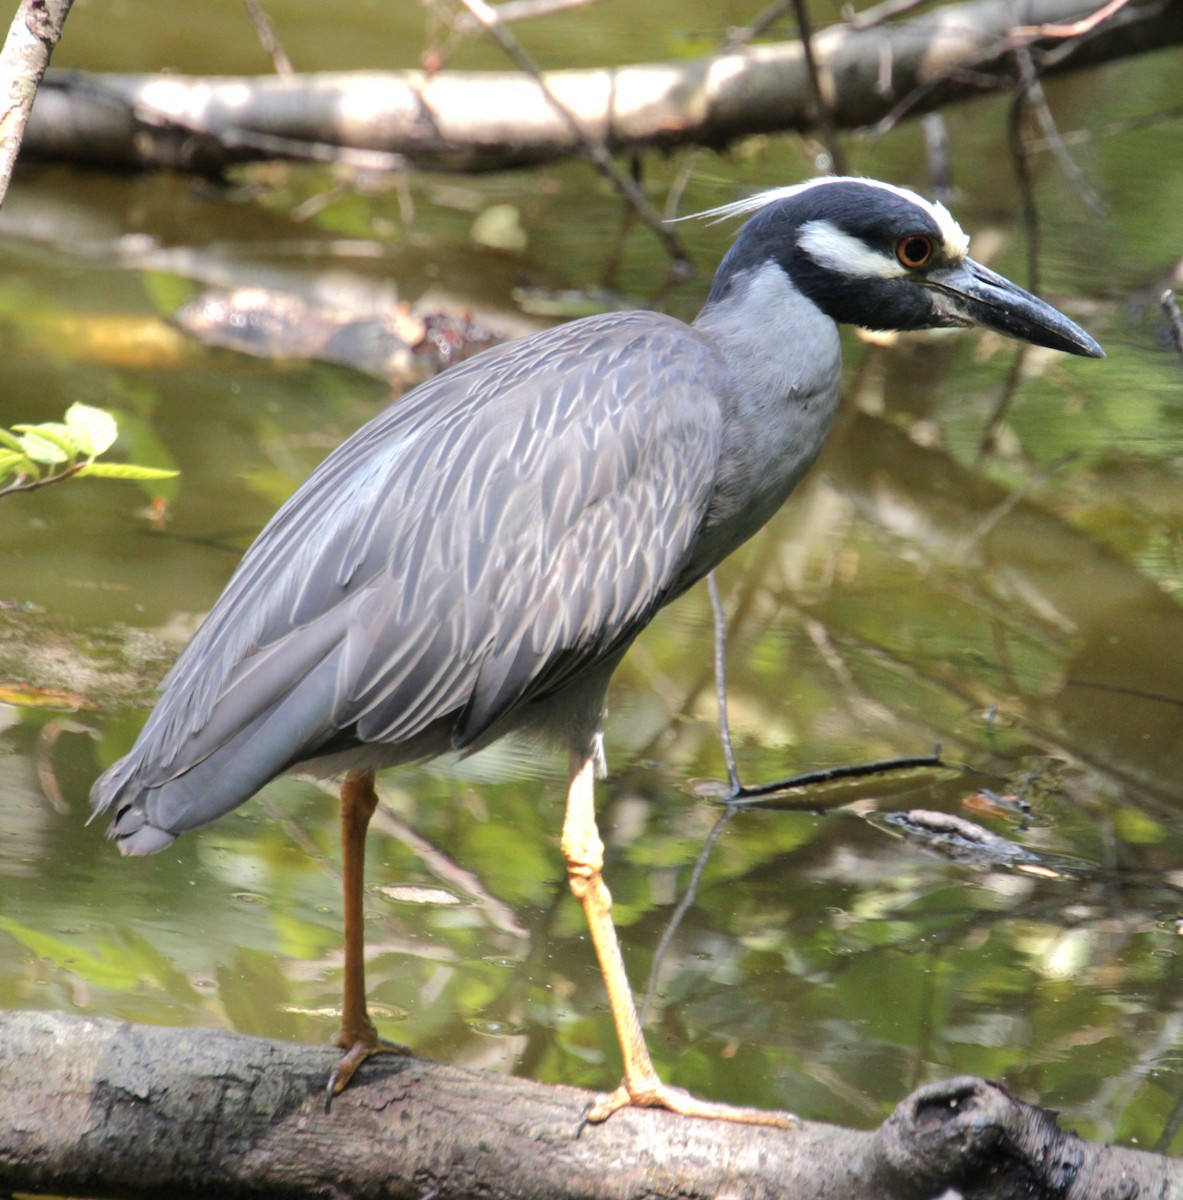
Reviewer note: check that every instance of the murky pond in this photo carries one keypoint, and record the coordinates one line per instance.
(988, 557)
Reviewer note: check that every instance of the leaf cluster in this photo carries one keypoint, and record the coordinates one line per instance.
(32, 456)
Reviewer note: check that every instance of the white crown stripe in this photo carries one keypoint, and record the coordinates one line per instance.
(956, 241)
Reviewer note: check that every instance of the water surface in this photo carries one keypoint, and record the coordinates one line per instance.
(1018, 606)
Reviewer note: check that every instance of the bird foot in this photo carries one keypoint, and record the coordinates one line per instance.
(656, 1094)
(357, 1047)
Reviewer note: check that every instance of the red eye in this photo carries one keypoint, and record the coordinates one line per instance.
(914, 250)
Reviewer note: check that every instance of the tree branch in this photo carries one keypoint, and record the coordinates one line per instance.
(95, 1107)
(34, 32)
(494, 120)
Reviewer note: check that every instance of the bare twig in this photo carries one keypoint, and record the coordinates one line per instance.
(1010, 386)
(46, 775)
(760, 793)
(683, 907)
(1084, 25)
(887, 11)
(35, 30)
(499, 914)
(763, 21)
(594, 149)
(22, 483)
(720, 631)
(1022, 166)
(964, 74)
(1000, 511)
(1079, 137)
(936, 145)
(673, 197)
(1037, 98)
(1174, 320)
(821, 95)
(523, 10)
(265, 32)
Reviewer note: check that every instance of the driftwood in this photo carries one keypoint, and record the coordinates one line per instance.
(96, 1107)
(496, 120)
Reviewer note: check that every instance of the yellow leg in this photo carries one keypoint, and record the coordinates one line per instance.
(357, 1037)
(584, 853)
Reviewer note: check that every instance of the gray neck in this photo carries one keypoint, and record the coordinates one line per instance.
(784, 365)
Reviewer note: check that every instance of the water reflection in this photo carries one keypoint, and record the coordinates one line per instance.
(1019, 611)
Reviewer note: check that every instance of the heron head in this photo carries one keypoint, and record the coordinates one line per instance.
(881, 257)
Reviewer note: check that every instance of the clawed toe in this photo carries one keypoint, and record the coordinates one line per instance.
(357, 1050)
(656, 1094)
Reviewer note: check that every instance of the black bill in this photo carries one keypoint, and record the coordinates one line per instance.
(968, 293)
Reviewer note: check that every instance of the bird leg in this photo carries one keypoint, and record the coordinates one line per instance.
(584, 853)
(357, 1037)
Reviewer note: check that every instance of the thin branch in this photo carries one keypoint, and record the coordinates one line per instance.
(34, 32)
(763, 22)
(760, 793)
(1030, 82)
(962, 74)
(827, 126)
(1001, 511)
(720, 632)
(265, 32)
(1022, 166)
(1078, 137)
(1084, 25)
(22, 483)
(524, 10)
(936, 147)
(870, 17)
(685, 173)
(683, 907)
(596, 152)
(1174, 320)
(46, 775)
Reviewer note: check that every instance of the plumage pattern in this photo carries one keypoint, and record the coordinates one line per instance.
(478, 546)
(478, 557)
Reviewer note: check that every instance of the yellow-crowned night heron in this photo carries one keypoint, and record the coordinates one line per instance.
(479, 557)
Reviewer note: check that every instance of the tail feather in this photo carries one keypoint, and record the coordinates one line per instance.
(151, 813)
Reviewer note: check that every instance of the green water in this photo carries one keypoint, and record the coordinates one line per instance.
(1021, 609)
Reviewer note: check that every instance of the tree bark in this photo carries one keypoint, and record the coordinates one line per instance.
(94, 1107)
(34, 32)
(496, 120)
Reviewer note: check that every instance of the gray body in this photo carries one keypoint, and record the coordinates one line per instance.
(479, 557)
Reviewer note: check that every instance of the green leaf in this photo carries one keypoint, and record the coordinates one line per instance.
(50, 443)
(11, 441)
(93, 429)
(13, 461)
(110, 470)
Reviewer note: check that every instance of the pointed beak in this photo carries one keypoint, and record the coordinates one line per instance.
(968, 293)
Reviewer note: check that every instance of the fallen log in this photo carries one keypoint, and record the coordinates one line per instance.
(478, 121)
(93, 1107)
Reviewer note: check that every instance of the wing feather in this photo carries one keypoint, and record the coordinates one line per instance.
(480, 544)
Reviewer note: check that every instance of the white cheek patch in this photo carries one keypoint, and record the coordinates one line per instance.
(837, 250)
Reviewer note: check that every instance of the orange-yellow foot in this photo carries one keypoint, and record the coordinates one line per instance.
(656, 1094)
(358, 1047)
